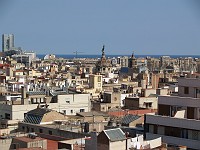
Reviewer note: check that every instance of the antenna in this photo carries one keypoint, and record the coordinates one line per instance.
(77, 52)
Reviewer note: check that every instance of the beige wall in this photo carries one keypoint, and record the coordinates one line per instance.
(95, 81)
(97, 126)
(51, 116)
(153, 100)
(97, 106)
(5, 144)
(147, 92)
(94, 119)
(162, 91)
(118, 145)
(4, 131)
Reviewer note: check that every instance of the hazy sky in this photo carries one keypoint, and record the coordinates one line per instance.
(64, 26)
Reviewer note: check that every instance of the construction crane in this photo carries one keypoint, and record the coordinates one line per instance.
(76, 52)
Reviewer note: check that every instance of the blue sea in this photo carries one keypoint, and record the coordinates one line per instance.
(41, 56)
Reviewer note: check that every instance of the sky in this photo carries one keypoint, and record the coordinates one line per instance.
(147, 27)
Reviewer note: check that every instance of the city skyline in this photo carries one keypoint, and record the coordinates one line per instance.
(147, 27)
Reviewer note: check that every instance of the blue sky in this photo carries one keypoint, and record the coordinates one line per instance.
(148, 27)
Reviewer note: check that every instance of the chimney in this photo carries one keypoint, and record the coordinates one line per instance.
(67, 87)
(23, 94)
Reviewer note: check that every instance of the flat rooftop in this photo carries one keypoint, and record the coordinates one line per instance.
(28, 139)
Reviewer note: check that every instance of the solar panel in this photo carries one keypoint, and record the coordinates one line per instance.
(34, 119)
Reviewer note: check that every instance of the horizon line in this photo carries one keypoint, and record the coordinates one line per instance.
(129, 54)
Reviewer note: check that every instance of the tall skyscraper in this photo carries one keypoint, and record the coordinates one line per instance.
(7, 42)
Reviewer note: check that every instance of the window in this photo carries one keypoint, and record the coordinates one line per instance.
(15, 146)
(184, 133)
(82, 110)
(32, 129)
(174, 110)
(32, 100)
(41, 100)
(197, 93)
(50, 132)
(99, 78)
(99, 84)
(41, 131)
(71, 111)
(155, 129)
(148, 105)
(194, 135)
(68, 102)
(186, 90)
(64, 111)
(25, 115)
(7, 116)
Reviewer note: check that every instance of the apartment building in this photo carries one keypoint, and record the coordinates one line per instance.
(178, 118)
(66, 103)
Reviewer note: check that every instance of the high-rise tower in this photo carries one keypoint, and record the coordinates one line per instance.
(7, 42)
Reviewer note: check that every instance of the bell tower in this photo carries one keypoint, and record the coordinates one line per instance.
(132, 61)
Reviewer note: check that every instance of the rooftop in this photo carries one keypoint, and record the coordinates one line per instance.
(35, 116)
(31, 148)
(92, 113)
(27, 139)
(129, 118)
(39, 111)
(115, 134)
(36, 93)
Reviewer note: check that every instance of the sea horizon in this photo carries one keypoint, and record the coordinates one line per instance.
(71, 56)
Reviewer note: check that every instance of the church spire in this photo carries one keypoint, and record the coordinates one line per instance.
(132, 56)
(103, 52)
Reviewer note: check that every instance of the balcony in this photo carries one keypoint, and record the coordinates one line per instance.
(179, 101)
(173, 122)
(194, 144)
